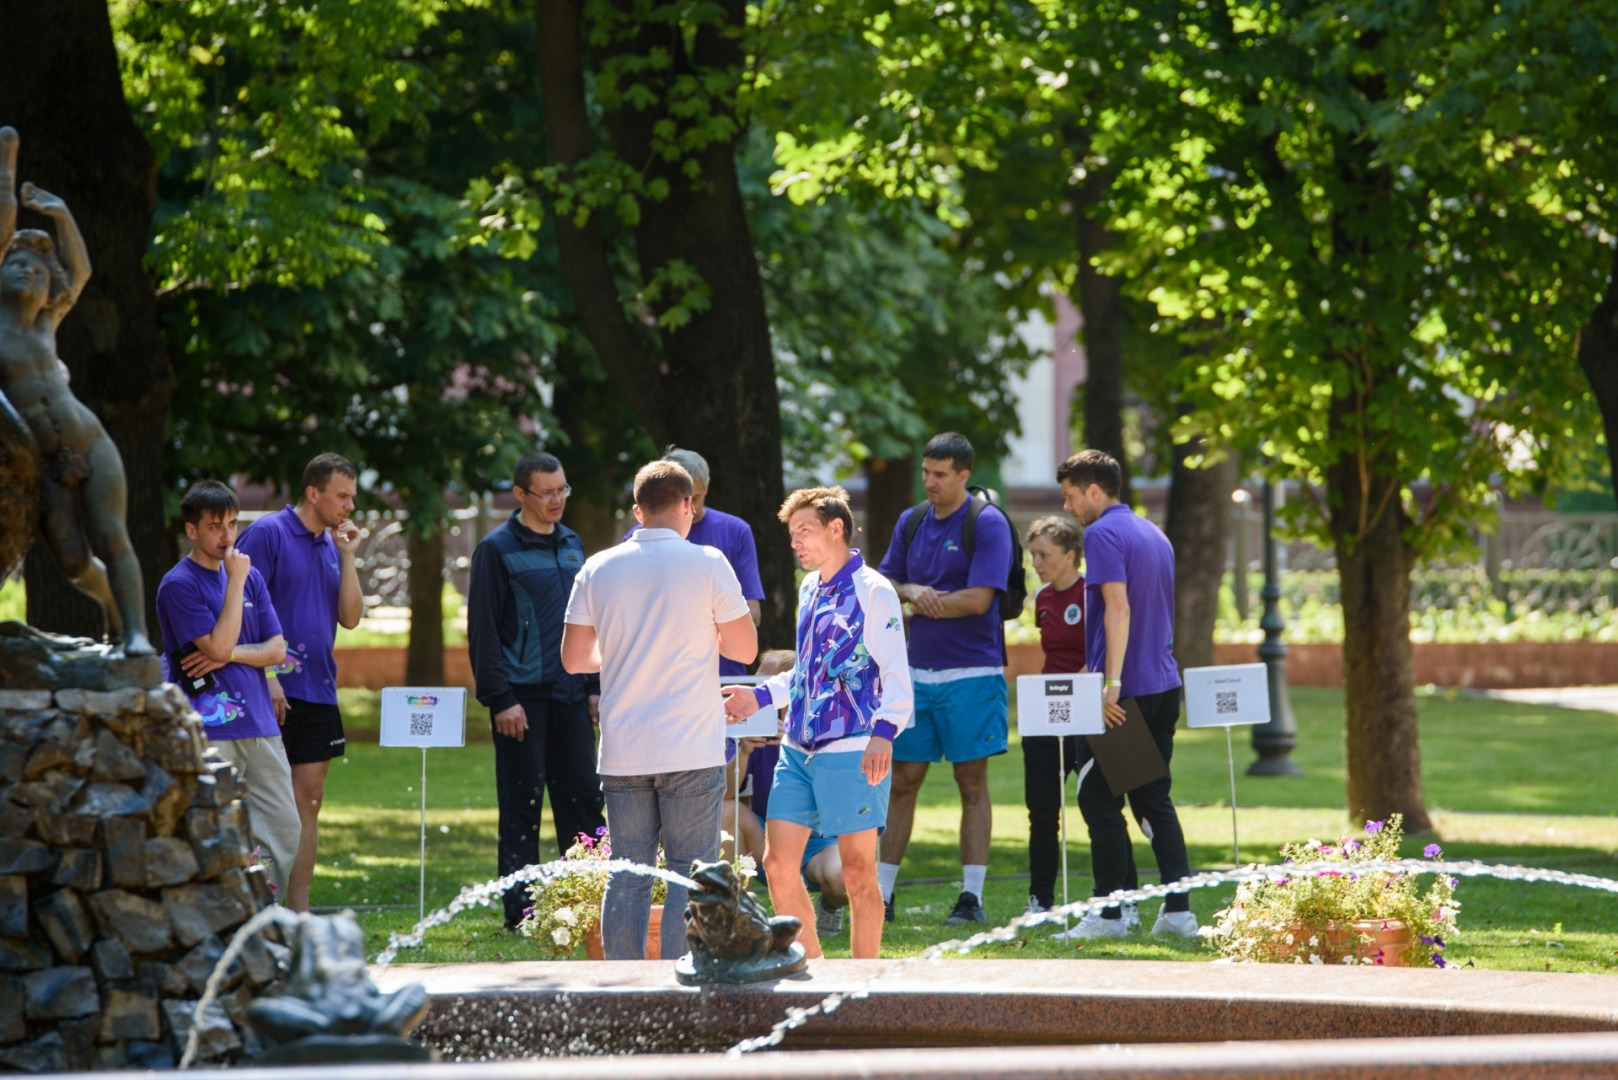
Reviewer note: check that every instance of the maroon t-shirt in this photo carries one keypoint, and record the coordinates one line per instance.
(1060, 618)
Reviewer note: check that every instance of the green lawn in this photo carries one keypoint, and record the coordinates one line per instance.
(1509, 783)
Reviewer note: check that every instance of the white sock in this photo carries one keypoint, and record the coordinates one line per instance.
(972, 878)
(886, 874)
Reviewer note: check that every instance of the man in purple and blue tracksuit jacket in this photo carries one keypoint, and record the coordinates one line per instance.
(848, 696)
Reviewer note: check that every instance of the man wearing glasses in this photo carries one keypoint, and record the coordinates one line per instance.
(522, 575)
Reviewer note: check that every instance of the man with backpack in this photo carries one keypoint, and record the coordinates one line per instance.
(955, 560)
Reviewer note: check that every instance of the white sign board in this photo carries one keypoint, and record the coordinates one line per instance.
(1059, 704)
(764, 724)
(424, 716)
(1227, 696)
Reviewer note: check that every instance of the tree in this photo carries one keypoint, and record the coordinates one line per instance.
(683, 333)
(59, 86)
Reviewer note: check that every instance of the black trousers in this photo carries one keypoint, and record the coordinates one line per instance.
(1111, 857)
(559, 753)
(1042, 794)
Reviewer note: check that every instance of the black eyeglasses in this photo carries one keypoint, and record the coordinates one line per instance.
(556, 493)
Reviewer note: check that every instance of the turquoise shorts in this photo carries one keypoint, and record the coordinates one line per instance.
(827, 793)
(961, 720)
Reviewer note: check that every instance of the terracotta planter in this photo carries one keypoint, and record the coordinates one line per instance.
(1389, 940)
(593, 949)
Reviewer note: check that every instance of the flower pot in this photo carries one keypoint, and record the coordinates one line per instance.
(594, 950)
(1389, 940)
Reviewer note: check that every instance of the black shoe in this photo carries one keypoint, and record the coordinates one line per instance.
(968, 909)
(887, 910)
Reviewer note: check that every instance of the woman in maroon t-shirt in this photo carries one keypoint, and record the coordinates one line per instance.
(1055, 544)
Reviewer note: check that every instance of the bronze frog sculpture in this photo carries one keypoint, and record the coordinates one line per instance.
(732, 938)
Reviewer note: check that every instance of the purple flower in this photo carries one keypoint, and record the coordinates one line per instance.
(1438, 961)
(528, 913)
(1432, 851)
(1425, 940)
(1373, 827)
(601, 831)
(1352, 845)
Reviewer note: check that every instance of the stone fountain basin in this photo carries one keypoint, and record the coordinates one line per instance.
(501, 1011)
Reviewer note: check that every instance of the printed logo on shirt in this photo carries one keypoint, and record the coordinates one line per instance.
(247, 603)
(950, 545)
(293, 664)
(893, 623)
(218, 708)
(332, 565)
(1072, 615)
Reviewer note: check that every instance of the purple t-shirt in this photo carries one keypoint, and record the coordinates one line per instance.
(761, 767)
(301, 570)
(936, 558)
(1122, 546)
(188, 604)
(733, 538)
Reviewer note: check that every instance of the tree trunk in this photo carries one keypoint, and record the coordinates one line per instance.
(1102, 306)
(1198, 526)
(710, 384)
(60, 88)
(424, 655)
(1598, 356)
(1373, 565)
(890, 487)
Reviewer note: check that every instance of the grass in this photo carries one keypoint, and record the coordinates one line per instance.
(1508, 783)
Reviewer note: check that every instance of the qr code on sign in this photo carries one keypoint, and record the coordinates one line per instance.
(421, 724)
(1059, 712)
(1224, 702)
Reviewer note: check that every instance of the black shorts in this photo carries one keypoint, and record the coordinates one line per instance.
(313, 732)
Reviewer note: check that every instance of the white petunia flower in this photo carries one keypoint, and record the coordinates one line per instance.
(566, 917)
(562, 936)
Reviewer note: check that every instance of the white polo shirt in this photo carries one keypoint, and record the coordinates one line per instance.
(656, 603)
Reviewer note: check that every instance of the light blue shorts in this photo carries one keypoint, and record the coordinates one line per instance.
(815, 846)
(963, 720)
(827, 793)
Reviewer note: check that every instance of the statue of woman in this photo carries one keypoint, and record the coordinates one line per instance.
(82, 489)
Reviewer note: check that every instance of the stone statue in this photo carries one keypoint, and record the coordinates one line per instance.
(731, 937)
(81, 489)
(332, 1011)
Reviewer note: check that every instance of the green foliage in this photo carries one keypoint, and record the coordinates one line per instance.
(1309, 918)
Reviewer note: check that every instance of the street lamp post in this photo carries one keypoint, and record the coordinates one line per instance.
(1274, 741)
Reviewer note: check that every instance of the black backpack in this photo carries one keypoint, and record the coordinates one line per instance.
(1016, 591)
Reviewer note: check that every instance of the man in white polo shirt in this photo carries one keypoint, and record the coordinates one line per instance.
(653, 615)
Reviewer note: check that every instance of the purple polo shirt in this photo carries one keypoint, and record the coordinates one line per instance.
(301, 569)
(733, 538)
(188, 605)
(1122, 546)
(936, 558)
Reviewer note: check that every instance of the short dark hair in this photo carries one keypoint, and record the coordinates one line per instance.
(318, 473)
(531, 463)
(207, 498)
(661, 484)
(1092, 467)
(952, 447)
(829, 504)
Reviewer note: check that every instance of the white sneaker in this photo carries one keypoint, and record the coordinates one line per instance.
(1094, 926)
(1178, 923)
(1131, 916)
(828, 921)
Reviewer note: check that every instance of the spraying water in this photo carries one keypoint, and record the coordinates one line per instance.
(797, 1017)
(471, 896)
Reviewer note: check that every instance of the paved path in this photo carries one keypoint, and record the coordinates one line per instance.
(1597, 698)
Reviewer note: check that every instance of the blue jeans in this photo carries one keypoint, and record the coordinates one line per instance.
(683, 809)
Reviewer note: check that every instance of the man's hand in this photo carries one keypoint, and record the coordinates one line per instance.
(278, 699)
(237, 564)
(740, 703)
(347, 538)
(1112, 713)
(877, 761)
(594, 703)
(196, 664)
(42, 201)
(926, 600)
(512, 722)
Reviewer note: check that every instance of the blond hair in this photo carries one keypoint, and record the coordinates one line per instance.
(1060, 530)
(777, 660)
(829, 504)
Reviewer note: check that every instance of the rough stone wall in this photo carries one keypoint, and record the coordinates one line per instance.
(126, 862)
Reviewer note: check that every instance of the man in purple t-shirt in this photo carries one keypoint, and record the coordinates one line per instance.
(307, 556)
(219, 634)
(729, 534)
(1129, 638)
(956, 661)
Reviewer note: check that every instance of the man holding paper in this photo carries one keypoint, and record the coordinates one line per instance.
(1129, 612)
(848, 696)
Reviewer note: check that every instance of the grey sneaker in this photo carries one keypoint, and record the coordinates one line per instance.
(968, 909)
(828, 921)
(1035, 907)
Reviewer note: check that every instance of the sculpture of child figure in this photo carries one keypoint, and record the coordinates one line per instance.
(83, 495)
